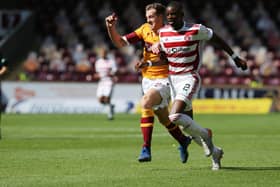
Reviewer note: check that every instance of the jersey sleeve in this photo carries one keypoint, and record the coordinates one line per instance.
(134, 36)
(205, 33)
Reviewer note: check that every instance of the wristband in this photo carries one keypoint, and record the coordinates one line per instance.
(149, 63)
(234, 56)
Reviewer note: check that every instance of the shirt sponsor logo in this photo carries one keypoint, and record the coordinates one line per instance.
(178, 49)
(188, 38)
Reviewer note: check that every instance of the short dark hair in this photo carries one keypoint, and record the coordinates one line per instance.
(177, 5)
(160, 8)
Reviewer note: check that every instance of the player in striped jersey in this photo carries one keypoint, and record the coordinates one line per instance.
(155, 82)
(182, 43)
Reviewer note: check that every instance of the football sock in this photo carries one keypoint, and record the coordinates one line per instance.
(189, 125)
(109, 108)
(147, 124)
(176, 133)
(111, 111)
(196, 139)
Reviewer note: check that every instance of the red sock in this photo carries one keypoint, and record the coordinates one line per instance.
(147, 123)
(147, 136)
(176, 133)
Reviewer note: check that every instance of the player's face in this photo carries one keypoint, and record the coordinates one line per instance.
(153, 19)
(103, 53)
(174, 17)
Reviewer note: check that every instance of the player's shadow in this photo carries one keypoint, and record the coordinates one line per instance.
(252, 168)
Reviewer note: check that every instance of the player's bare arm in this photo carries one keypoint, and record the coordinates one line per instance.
(142, 64)
(217, 40)
(3, 70)
(114, 35)
(156, 48)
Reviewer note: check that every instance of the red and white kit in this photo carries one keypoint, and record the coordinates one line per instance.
(183, 50)
(105, 68)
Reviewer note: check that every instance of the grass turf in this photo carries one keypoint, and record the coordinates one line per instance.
(88, 150)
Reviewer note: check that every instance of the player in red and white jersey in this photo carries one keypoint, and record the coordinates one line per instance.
(105, 70)
(182, 44)
(183, 47)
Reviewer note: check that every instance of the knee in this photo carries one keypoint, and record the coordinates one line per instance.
(180, 119)
(101, 100)
(106, 100)
(146, 102)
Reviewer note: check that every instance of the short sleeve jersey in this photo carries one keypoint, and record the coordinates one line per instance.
(147, 36)
(105, 67)
(183, 47)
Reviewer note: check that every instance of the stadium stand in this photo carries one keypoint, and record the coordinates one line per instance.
(71, 32)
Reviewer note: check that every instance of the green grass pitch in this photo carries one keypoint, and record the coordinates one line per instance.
(88, 150)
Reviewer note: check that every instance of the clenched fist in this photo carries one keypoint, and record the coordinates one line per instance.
(111, 20)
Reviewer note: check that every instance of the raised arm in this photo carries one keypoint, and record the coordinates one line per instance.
(219, 42)
(116, 38)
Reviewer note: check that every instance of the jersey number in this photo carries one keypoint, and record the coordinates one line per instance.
(186, 87)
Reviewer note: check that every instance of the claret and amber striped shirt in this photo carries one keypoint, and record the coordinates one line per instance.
(148, 37)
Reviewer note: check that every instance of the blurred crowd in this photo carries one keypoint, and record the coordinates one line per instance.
(72, 32)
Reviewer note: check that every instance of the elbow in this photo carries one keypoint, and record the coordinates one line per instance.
(120, 43)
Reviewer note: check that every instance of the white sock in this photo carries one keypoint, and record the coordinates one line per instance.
(189, 125)
(196, 139)
(109, 110)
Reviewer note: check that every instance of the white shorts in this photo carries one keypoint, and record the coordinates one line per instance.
(104, 88)
(185, 87)
(162, 86)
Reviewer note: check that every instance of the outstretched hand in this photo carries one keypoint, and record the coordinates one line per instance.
(111, 20)
(240, 63)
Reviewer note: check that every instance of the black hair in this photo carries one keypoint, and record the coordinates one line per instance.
(176, 5)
